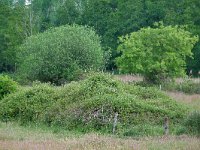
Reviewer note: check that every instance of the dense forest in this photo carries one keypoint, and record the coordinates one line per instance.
(111, 19)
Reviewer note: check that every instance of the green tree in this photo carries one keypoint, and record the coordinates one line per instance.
(114, 18)
(69, 12)
(11, 35)
(44, 13)
(186, 12)
(157, 53)
(110, 18)
(60, 53)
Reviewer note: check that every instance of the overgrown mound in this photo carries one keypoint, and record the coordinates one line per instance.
(91, 105)
(28, 104)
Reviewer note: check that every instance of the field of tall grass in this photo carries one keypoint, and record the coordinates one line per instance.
(15, 137)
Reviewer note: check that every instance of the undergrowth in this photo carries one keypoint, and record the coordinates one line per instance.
(90, 105)
(192, 123)
(7, 85)
(187, 86)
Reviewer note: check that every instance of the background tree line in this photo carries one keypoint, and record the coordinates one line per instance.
(110, 18)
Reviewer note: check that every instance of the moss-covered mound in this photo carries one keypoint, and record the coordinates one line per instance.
(91, 105)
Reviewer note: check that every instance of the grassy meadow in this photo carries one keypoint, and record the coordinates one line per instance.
(56, 123)
(15, 137)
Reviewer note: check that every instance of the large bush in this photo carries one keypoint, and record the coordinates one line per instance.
(157, 53)
(91, 105)
(28, 104)
(60, 54)
(7, 85)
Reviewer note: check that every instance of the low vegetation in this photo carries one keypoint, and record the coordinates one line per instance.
(187, 86)
(7, 85)
(90, 105)
(193, 123)
(15, 137)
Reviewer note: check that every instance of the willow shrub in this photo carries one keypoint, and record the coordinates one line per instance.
(60, 54)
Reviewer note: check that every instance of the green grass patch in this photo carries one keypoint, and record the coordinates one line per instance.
(15, 131)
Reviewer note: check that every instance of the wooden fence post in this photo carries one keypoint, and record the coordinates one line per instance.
(166, 125)
(115, 122)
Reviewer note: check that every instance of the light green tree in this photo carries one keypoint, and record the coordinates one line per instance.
(157, 53)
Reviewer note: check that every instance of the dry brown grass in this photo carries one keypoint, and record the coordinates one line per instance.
(194, 80)
(137, 78)
(129, 78)
(15, 137)
(97, 142)
(191, 100)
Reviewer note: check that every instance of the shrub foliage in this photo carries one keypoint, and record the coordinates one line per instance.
(7, 85)
(91, 105)
(60, 54)
(156, 53)
(193, 123)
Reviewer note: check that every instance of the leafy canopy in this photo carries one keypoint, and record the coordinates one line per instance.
(157, 53)
(11, 35)
(60, 54)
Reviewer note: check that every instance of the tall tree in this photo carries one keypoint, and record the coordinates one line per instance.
(114, 18)
(11, 34)
(186, 12)
(110, 18)
(69, 12)
(157, 53)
